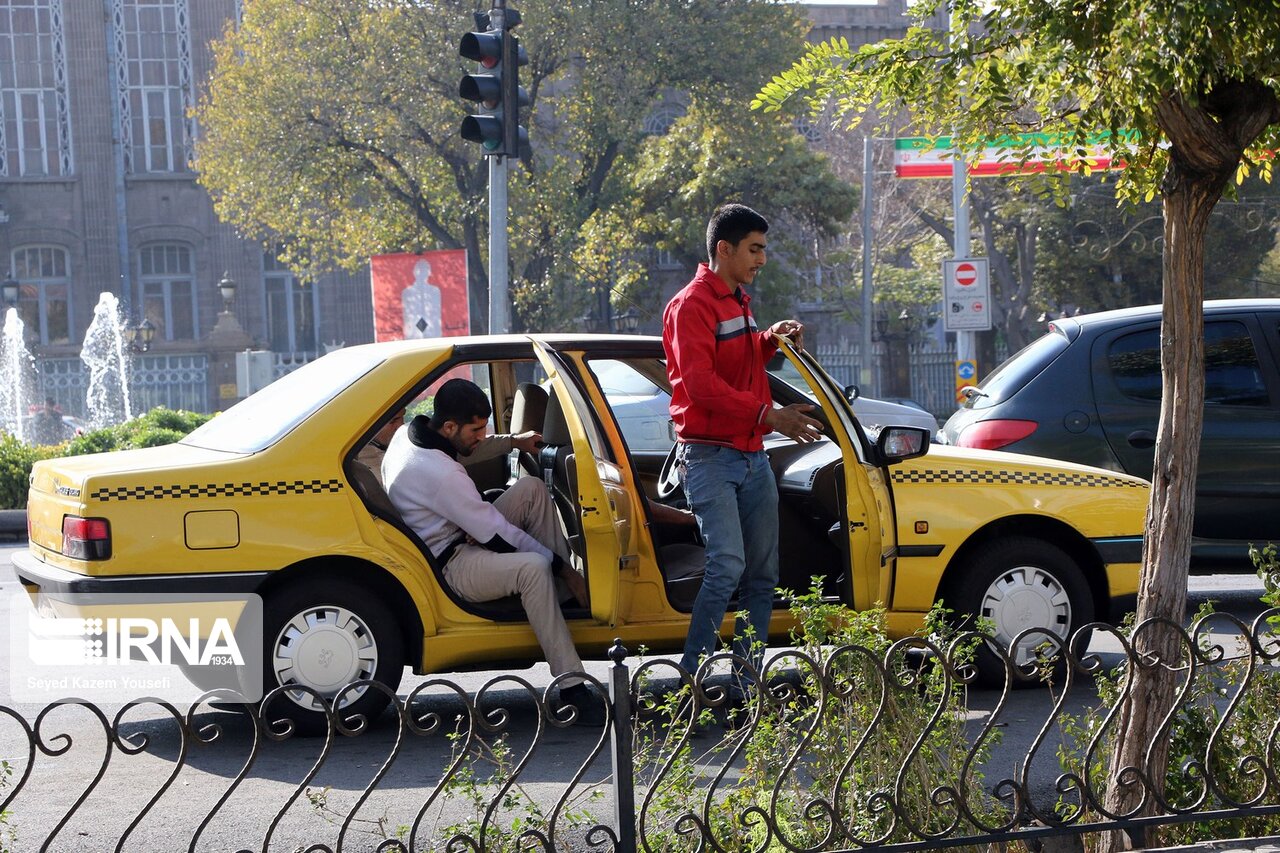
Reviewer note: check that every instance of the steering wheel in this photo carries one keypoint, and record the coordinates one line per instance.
(669, 475)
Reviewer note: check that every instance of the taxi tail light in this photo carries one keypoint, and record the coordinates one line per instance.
(994, 434)
(86, 538)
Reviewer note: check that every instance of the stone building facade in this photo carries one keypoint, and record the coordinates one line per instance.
(98, 196)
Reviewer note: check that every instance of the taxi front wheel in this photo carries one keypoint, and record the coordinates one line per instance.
(324, 636)
(1018, 583)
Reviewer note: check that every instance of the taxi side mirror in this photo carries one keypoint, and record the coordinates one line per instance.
(898, 443)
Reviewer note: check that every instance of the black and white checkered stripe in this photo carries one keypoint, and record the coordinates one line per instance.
(218, 490)
(1012, 478)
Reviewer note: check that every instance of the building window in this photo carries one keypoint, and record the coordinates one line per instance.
(152, 43)
(806, 128)
(168, 290)
(44, 302)
(35, 125)
(290, 310)
(663, 116)
(663, 259)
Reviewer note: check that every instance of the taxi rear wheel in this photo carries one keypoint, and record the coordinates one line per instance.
(1018, 583)
(324, 636)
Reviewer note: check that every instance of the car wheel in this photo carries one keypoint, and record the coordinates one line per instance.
(1015, 584)
(324, 637)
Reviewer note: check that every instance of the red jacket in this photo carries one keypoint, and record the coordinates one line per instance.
(716, 362)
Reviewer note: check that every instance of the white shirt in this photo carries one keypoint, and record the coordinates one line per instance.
(440, 501)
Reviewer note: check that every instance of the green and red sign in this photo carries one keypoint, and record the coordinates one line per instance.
(924, 157)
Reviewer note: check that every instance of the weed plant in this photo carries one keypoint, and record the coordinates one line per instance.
(1220, 737)
(850, 729)
(8, 832)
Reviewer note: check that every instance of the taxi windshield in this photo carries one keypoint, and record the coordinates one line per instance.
(261, 419)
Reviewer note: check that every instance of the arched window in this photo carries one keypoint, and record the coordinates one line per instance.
(44, 303)
(291, 308)
(806, 128)
(167, 283)
(663, 116)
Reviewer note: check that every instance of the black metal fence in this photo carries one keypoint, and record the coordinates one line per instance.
(880, 745)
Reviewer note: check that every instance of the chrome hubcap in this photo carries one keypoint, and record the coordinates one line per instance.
(1026, 597)
(324, 648)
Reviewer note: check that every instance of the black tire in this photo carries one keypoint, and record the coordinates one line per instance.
(1017, 583)
(325, 636)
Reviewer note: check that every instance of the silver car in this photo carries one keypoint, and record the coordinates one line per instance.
(641, 405)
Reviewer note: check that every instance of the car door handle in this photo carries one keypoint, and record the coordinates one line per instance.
(1141, 439)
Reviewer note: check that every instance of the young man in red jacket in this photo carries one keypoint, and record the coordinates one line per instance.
(722, 409)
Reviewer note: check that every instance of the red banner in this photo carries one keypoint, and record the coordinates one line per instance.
(420, 296)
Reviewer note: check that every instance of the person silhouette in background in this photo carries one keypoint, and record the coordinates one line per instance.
(420, 302)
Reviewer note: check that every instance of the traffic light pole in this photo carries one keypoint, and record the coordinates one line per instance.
(499, 315)
(496, 88)
(966, 341)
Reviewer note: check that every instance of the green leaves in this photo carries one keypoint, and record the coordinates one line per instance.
(1023, 65)
(333, 126)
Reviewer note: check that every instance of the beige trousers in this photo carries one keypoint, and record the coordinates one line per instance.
(478, 574)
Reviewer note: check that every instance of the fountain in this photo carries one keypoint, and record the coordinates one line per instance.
(17, 376)
(106, 355)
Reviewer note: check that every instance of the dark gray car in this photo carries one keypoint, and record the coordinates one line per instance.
(1089, 391)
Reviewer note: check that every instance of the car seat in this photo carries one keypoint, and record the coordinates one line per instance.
(528, 414)
(558, 470)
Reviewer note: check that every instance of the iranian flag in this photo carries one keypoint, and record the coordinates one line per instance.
(923, 157)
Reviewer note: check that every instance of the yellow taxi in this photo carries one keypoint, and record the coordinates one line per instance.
(272, 498)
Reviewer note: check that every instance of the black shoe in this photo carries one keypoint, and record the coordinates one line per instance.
(589, 704)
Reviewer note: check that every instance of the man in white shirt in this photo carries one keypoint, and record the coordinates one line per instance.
(494, 445)
(512, 546)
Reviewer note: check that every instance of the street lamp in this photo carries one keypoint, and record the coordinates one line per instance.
(628, 321)
(140, 335)
(227, 287)
(10, 290)
(908, 322)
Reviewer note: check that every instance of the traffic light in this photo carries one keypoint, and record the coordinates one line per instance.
(497, 88)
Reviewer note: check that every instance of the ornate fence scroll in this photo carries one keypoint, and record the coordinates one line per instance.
(876, 745)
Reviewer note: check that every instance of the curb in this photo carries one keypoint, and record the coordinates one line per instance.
(1268, 844)
(13, 525)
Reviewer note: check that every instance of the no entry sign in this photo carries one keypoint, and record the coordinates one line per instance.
(965, 295)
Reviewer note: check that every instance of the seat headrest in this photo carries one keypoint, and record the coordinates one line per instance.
(555, 430)
(529, 410)
(366, 484)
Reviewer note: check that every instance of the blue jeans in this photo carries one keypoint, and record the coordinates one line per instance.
(735, 498)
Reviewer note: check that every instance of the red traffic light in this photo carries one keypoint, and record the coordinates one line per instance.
(485, 48)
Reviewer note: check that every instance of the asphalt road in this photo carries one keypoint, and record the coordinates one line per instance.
(279, 769)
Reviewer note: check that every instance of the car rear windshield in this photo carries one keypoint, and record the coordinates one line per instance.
(260, 420)
(1019, 369)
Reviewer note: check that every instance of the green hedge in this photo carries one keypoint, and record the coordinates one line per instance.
(158, 426)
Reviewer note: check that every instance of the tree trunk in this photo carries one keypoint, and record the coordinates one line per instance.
(1188, 201)
(1207, 136)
